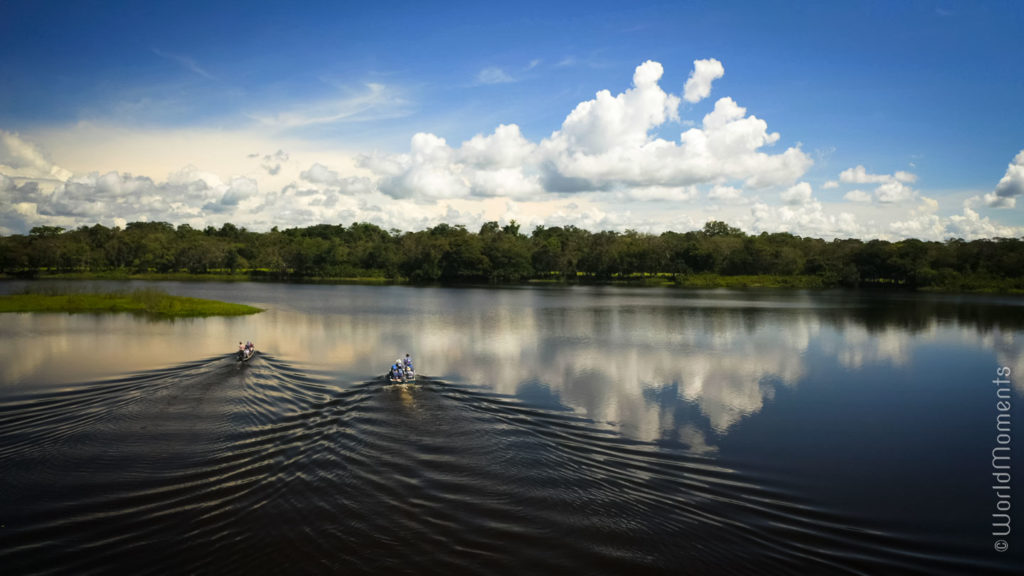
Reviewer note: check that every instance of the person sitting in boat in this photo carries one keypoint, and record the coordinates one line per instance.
(241, 350)
(408, 363)
(396, 372)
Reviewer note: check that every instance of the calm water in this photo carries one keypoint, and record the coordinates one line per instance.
(554, 430)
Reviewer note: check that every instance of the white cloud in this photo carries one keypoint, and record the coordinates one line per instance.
(968, 225)
(907, 177)
(23, 159)
(894, 191)
(994, 200)
(240, 189)
(608, 123)
(971, 225)
(860, 175)
(320, 174)
(607, 140)
(857, 196)
(505, 148)
(659, 193)
(428, 171)
(726, 194)
(892, 188)
(809, 219)
(1010, 185)
(272, 162)
(698, 85)
(928, 205)
(797, 194)
(927, 226)
(604, 144)
(186, 62)
(610, 165)
(728, 147)
(373, 102)
(493, 75)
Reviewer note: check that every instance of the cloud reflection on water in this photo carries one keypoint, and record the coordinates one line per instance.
(654, 367)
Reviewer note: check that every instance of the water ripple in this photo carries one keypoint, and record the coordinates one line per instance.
(214, 466)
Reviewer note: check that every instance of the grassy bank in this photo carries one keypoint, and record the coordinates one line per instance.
(954, 285)
(148, 302)
(240, 276)
(749, 281)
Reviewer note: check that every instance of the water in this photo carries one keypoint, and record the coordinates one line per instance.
(553, 430)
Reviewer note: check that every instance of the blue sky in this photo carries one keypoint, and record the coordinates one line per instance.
(868, 119)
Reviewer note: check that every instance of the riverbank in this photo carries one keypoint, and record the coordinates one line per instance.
(240, 276)
(148, 302)
(957, 285)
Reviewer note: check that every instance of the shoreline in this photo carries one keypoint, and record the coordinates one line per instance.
(147, 302)
(691, 281)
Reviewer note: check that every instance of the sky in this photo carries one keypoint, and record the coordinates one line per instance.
(891, 119)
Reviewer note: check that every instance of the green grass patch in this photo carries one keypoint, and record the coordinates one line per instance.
(749, 281)
(147, 302)
(248, 275)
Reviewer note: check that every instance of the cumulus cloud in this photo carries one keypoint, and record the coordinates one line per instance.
(272, 162)
(610, 123)
(798, 194)
(726, 194)
(606, 144)
(505, 148)
(612, 164)
(19, 157)
(892, 188)
(907, 177)
(320, 174)
(860, 175)
(428, 171)
(239, 189)
(928, 205)
(857, 196)
(1010, 185)
(659, 193)
(698, 85)
(894, 191)
(808, 219)
(968, 225)
(729, 146)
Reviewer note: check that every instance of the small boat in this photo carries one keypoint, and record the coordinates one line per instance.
(246, 355)
(401, 371)
(407, 375)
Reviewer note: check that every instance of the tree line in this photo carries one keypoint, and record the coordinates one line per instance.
(503, 254)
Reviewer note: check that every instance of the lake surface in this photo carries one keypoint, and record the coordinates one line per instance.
(553, 430)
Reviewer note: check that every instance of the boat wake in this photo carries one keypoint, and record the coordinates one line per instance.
(215, 467)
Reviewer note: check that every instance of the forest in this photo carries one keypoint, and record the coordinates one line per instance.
(716, 255)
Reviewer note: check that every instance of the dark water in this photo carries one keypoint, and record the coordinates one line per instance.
(561, 430)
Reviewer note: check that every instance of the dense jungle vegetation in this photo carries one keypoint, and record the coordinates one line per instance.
(717, 255)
